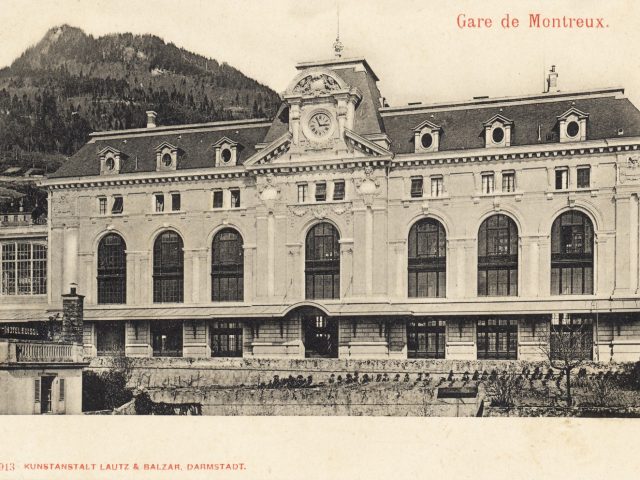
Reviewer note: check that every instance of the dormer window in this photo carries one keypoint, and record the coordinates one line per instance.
(167, 157)
(572, 125)
(427, 137)
(110, 161)
(497, 131)
(226, 152)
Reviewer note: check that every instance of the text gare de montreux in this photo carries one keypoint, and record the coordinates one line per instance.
(536, 20)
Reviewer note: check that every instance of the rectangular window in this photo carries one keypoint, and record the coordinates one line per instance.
(562, 179)
(226, 339)
(571, 336)
(487, 183)
(416, 187)
(338, 190)
(166, 338)
(23, 268)
(36, 390)
(497, 339)
(321, 192)
(303, 192)
(175, 202)
(426, 338)
(235, 198)
(102, 205)
(61, 396)
(118, 205)
(584, 177)
(159, 202)
(217, 199)
(436, 186)
(508, 181)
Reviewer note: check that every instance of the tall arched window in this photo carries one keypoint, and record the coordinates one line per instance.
(322, 262)
(498, 257)
(112, 270)
(427, 259)
(168, 268)
(572, 254)
(227, 267)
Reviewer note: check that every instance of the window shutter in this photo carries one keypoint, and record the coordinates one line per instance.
(37, 390)
(61, 398)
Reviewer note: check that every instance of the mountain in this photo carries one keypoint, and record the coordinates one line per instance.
(71, 83)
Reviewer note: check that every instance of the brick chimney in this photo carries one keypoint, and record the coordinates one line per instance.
(72, 316)
(151, 119)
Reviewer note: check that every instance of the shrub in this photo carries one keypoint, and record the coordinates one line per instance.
(503, 390)
(104, 391)
(601, 390)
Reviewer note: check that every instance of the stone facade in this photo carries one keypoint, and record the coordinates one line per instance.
(335, 156)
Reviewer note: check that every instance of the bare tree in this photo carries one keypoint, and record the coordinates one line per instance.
(570, 345)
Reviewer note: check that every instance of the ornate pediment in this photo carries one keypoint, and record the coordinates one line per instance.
(316, 84)
(271, 151)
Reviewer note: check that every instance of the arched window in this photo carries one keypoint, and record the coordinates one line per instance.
(227, 267)
(322, 262)
(498, 257)
(427, 259)
(112, 270)
(168, 268)
(572, 254)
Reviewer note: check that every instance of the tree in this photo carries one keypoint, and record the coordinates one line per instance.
(570, 345)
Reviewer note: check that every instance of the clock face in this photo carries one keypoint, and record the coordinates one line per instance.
(320, 124)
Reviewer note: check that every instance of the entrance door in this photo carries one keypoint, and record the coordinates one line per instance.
(320, 335)
(46, 392)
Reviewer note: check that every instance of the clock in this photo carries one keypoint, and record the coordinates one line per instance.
(320, 124)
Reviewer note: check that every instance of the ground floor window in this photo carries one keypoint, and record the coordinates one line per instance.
(110, 338)
(497, 338)
(426, 338)
(226, 339)
(571, 337)
(167, 338)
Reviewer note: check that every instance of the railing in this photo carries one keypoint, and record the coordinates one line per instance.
(21, 219)
(25, 351)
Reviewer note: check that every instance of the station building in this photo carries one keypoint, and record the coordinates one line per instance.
(347, 228)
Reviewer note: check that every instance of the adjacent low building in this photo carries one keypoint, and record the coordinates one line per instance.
(347, 228)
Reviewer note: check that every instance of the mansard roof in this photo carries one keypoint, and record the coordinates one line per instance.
(534, 118)
(140, 145)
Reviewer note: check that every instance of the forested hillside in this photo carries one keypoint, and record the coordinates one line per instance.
(71, 83)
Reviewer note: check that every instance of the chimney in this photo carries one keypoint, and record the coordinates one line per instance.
(151, 119)
(72, 316)
(552, 80)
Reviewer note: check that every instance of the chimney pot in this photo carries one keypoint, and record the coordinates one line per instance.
(151, 119)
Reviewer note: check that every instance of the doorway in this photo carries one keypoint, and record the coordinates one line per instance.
(46, 392)
(320, 334)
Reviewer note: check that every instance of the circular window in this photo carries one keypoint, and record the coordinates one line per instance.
(497, 135)
(110, 163)
(167, 160)
(573, 129)
(426, 140)
(225, 155)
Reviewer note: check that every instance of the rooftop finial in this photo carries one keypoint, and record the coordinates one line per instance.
(337, 45)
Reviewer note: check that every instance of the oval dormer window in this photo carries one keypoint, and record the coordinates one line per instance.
(426, 140)
(573, 129)
(225, 155)
(167, 160)
(110, 163)
(497, 135)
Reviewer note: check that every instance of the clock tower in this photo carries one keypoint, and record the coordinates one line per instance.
(321, 107)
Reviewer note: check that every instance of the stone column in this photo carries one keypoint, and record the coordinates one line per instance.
(249, 266)
(529, 266)
(346, 268)
(622, 244)
(399, 273)
(70, 263)
(295, 288)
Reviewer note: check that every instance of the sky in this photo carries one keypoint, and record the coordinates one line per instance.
(415, 46)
